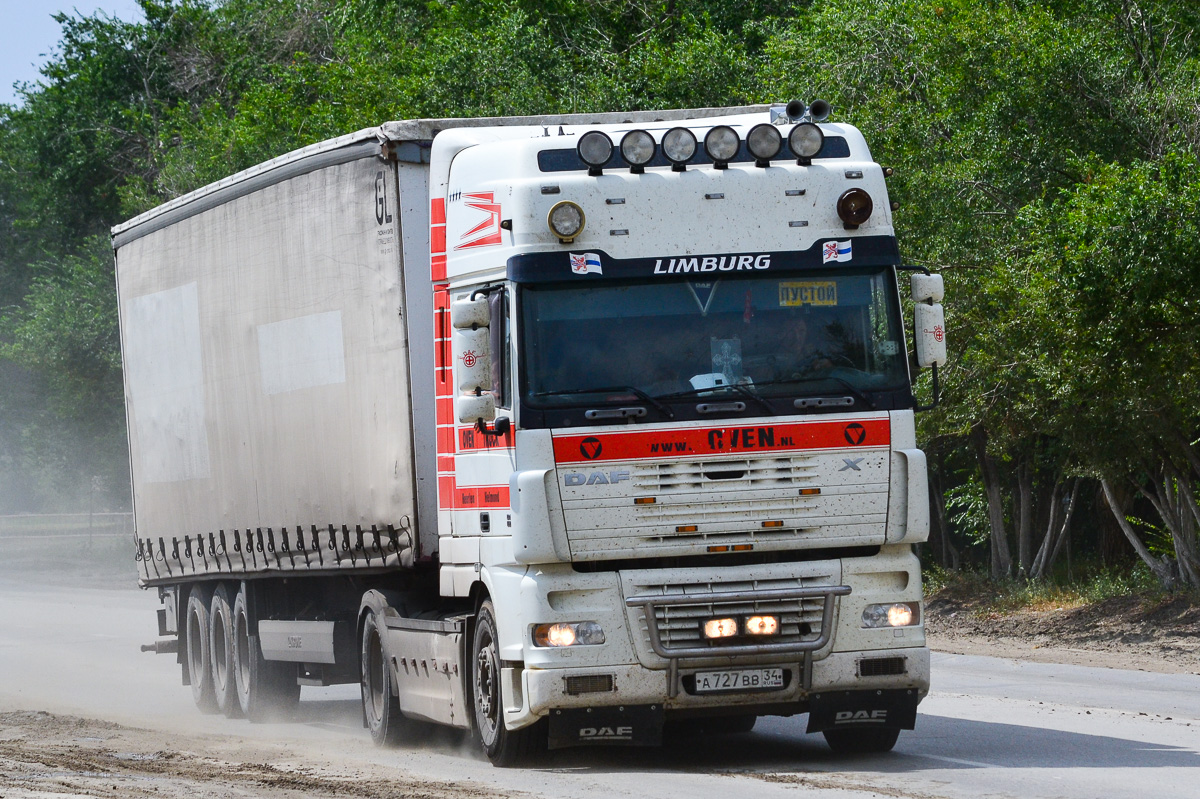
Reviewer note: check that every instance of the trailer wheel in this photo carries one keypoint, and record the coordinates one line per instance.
(266, 690)
(381, 706)
(857, 742)
(220, 645)
(199, 661)
(503, 747)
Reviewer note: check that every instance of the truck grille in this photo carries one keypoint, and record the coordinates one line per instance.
(671, 616)
(731, 475)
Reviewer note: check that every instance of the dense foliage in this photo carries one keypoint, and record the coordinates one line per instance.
(1046, 154)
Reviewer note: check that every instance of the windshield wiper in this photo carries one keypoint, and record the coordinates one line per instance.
(853, 389)
(739, 388)
(637, 392)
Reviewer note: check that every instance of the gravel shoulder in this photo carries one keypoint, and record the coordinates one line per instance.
(1147, 634)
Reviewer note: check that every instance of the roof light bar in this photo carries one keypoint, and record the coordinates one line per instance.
(721, 143)
(637, 148)
(595, 149)
(764, 142)
(679, 146)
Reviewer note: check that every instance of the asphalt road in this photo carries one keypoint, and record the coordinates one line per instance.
(991, 727)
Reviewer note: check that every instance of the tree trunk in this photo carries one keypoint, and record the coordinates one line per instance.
(1001, 559)
(1024, 517)
(1160, 567)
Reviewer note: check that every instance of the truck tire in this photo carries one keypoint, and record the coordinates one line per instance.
(266, 690)
(381, 706)
(220, 645)
(199, 661)
(502, 746)
(858, 742)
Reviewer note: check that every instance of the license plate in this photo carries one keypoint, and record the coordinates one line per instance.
(742, 680)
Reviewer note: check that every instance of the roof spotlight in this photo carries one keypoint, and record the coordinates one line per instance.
(637, 148)
(566, 221)
(805, 141)
(764, 142)
(721, 143)
(854, 207)
(679, 145)
(595, 149)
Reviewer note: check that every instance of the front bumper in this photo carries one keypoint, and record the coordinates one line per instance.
(547, 689)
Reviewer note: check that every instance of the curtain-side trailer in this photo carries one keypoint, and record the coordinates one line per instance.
(555, 429)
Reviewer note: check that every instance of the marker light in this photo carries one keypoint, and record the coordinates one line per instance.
(762, 625)
(583, 633)
(721, 143)
(805, 141)
(566, 221)
(720, 628)
(854, 207)
(898, 614)
(679, 145)
(595, 149)
(764, 143)
(637, 148)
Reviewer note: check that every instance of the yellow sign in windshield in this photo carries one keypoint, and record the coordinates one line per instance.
(808, 293)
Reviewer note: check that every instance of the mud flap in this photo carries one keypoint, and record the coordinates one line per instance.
(838, 710)
(627, 725)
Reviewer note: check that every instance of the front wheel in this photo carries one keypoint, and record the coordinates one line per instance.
(381, 707)
(502, 746)
(857, 742)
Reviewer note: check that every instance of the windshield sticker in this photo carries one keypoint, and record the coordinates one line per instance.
(836, 251)
(587, 263)
(808, 292)
(703, 293)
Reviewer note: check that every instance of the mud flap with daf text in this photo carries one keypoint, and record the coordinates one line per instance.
(883, 709)
(626, 725)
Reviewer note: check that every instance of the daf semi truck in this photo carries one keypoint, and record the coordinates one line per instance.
(556, 429)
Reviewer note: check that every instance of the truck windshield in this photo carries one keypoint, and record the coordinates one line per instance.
(785, 335)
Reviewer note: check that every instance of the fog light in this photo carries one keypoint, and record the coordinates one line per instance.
(720, 628)
(566, 221)
(762, 625)
(896, 614)
(583, 633)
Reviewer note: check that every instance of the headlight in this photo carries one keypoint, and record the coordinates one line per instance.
(581, 633)
(679, 145)
(721, 143)
(805, 141)
(637, 148)
(764, 143)
(595, 149)
(896, 614)
(566, 221)
(854, 207)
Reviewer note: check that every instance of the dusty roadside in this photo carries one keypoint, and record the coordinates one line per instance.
(46, 756)
(1160, 634)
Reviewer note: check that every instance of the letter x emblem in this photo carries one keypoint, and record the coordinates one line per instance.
(851, 464)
